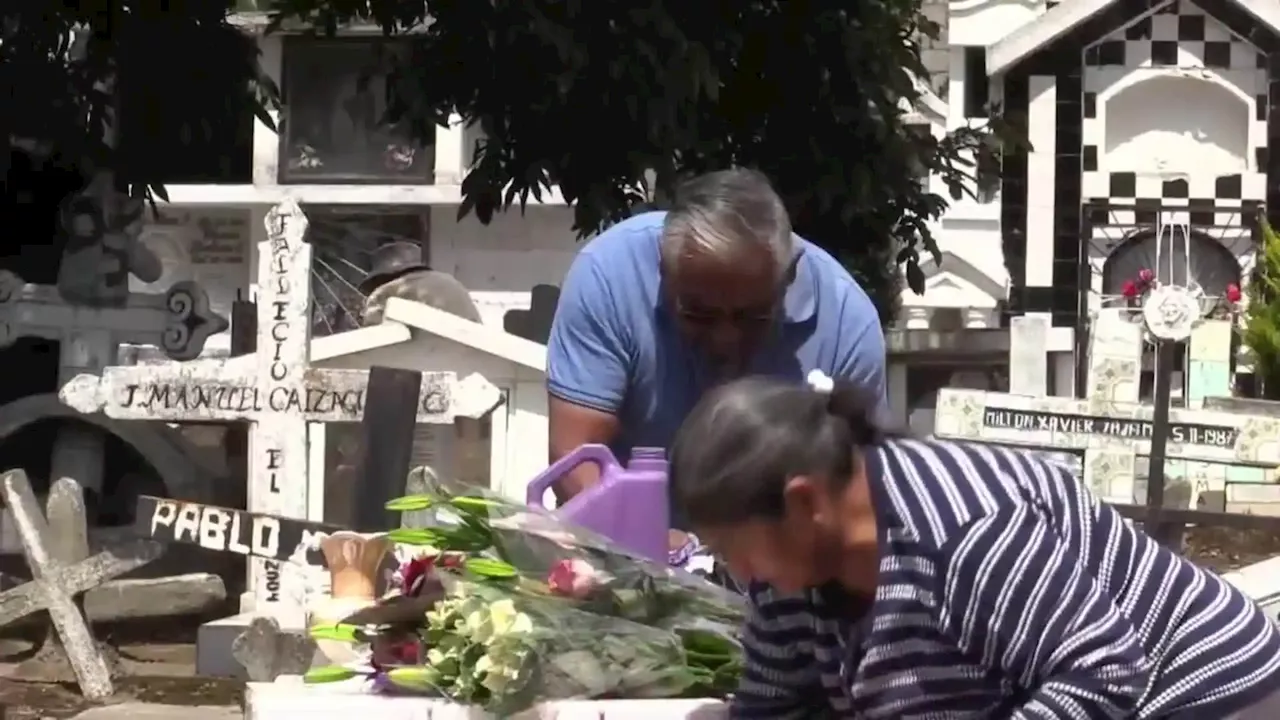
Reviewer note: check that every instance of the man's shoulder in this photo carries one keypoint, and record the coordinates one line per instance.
(838, 293)
(635, 239)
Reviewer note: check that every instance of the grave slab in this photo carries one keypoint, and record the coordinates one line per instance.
(175, 595)
(151, 711)
(289, 698)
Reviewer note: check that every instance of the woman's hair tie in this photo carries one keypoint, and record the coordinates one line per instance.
(820, 382)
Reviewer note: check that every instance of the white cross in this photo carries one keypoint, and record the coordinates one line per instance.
(276, 390)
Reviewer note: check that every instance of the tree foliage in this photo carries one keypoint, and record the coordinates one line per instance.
(1262, 315)
(616, 102)
(612, 102)
(164, 73)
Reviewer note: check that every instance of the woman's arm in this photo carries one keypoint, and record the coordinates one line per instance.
(1018, 598)
(780, 680)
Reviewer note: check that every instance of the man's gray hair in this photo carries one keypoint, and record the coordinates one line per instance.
(724, 212)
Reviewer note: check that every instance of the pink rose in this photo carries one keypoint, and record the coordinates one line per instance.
(1146, 275)
(573, 578)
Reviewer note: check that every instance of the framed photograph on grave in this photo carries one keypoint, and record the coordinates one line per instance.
(336, 129)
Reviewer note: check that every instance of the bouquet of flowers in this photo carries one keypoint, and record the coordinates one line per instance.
(501, 605)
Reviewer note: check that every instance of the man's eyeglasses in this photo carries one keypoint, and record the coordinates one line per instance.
(760, 314)
(736, 316)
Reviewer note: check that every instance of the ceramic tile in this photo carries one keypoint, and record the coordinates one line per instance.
(1211, 341)
(1242, 474)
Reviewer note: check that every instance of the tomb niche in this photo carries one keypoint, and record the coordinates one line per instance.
(1180, 255)
(337, 96)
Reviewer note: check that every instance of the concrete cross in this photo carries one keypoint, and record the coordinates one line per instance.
(88, 337)
(54, 584)
(276, 390)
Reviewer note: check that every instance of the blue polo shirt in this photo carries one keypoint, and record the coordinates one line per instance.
(615, 345)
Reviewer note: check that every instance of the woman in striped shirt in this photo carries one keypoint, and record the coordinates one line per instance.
(898, 578)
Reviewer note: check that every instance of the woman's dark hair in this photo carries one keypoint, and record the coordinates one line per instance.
(744, 440)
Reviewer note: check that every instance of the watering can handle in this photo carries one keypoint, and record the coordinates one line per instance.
(598, 454)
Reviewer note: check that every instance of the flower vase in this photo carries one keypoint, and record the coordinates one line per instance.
(353, 560)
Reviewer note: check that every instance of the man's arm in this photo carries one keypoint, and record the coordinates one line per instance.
(780, 678)
(588, 365)
(1016, 597)
(860, 352)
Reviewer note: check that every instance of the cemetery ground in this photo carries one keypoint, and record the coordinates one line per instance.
(156, 663)
(155, 658)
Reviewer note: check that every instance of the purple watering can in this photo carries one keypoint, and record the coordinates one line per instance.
(629, 505)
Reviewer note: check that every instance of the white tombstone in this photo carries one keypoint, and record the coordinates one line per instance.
(1109, 427)
(415, 336)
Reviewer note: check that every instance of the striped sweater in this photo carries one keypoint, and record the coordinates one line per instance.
(1007, 591)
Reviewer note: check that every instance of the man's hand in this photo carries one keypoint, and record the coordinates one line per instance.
(572, 426)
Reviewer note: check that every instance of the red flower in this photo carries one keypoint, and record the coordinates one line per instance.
(452, 560)
(414, 573)
(1129, 289)
(573, 578)
(1233, 293)
(392, 651)
(1145, 275)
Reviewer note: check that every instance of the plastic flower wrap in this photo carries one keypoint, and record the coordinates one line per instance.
(499, 605)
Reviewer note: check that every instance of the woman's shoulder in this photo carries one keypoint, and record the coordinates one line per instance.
(935, 487)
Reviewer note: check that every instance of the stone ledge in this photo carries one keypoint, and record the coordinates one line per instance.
(289, 699)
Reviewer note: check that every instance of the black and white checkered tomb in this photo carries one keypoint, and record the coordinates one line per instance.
(1183, 36)
(1078, 140)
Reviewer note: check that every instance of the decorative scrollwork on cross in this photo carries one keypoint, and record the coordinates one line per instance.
(191, 321)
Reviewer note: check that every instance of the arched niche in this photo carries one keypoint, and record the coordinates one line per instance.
(1177, 124)
(1178, 258)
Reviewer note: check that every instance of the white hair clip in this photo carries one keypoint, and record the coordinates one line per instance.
(820, 382)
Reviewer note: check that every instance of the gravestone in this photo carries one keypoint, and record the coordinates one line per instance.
(54, 584)
(266, 652)
(275, 389)
(90, 314)
(1108, 426)
(1028, 356)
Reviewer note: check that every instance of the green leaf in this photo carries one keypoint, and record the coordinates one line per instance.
(472, 504)
(329, 673)
(338, 632)
(420, 536)
(484, 567)
(412, 503)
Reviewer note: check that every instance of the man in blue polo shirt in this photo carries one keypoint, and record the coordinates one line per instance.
(663, 306)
